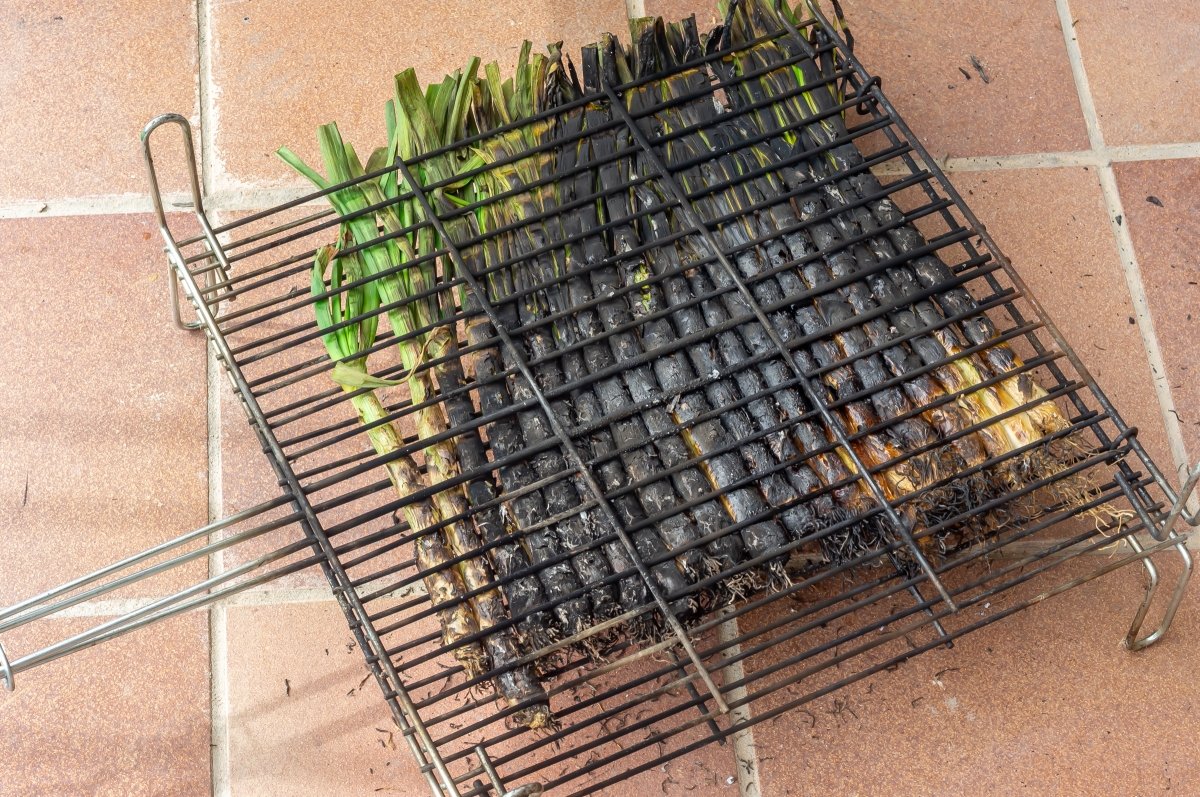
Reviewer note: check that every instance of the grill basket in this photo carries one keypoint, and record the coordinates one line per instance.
(628, 706)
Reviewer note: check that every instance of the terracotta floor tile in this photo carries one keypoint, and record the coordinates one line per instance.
(277, 80)
(706, 13)
(1043, 702)
(108, 455)
(1028, 105)
(129, 717)
(305, 649)
(1165, 240)
(1053, 225)
(1143, 68)
(302, 718)
(78, 82)
(247, 479)
(247, 475)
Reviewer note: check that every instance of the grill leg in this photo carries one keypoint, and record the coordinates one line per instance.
(1135, 642)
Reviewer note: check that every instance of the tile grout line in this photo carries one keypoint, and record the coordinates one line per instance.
(1124, 241)
(207, 98)
(745, 752)
(218, 629)
(258, 198)
(218, 619)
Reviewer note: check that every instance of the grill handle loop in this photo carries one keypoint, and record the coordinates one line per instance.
(174, 256)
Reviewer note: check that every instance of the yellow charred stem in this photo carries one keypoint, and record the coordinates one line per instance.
(443, 583)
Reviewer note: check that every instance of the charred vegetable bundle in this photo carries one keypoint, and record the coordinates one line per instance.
(706, 358)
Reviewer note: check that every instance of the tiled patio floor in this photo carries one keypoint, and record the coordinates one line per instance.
(1081, 152)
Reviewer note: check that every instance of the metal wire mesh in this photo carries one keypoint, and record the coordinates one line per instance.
(661, 386)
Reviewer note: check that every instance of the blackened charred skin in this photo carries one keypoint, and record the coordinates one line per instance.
(707, 437)
(580, 533)
(675, 372)
(766, 413)
(599, 447)
(838, 309)
(904, 236)
(682, 528)
(754, 335)
(516, 684)
(557, 579)
(524, 593)
(560, 497)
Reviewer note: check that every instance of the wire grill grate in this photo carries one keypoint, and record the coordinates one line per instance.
(660, 386)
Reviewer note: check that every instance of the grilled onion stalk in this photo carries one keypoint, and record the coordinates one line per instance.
(755, 18)
(906, 431)
(839, 545)
(407, 315)
(512, 435)
(879, 449)
(918, 426)
(576, 182)
(346, 347)
(528, 514)
(840, 497)
(623, 446)
(526, 597)
(706, 440)
(647, 439)
(528, 506)
(451, 102)
(566, 495)
(779, 483)
(658, 46)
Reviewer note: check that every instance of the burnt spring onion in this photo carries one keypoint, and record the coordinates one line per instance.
(645, 437)
(706, 440)
(583, 331)
(415, 312)
(523, 589)
(1021, 429)
(513, 206)
(681, 40)
(843, 262)
(527, 513)
(949, 419)
(528, 510)
(347, 341)
(737, 234)
(823, 258)
(887, 437)
(813, 441)
(770, 377)
(652, 51)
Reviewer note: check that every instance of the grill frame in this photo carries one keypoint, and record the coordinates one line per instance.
(1156, 513)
